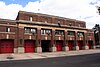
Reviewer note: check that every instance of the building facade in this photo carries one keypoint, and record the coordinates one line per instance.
(35, 32)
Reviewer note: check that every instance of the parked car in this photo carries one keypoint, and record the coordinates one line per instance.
(98, 46)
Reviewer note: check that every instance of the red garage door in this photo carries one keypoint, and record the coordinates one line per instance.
(90, 44)
(29, 46)
(59, 46)
(6, 46)
(80, 45)
(70, 45)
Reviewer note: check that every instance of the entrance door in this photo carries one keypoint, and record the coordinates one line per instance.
(6, 46)
(59, 45)
(29, 46)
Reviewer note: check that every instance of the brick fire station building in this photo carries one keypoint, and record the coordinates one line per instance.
(35, 32)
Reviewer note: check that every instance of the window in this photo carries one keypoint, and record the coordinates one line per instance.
(70, 32)
(59, 32)
(42, 31)
(80, 34)
(33, 31)
(90, 34)
(30, 30)
(7, 29)
(31, 19)
(27, 30)
(48, 31)
(45, 31)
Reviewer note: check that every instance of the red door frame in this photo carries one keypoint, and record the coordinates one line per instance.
(29, 46)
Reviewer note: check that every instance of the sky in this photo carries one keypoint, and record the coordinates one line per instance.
(84, 10)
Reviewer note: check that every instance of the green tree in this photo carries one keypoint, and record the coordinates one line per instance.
(97, 33)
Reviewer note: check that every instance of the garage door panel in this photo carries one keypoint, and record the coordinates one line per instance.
(29, 46)
(59, 46)
(70, 45)
(6, 46)
(80, 44)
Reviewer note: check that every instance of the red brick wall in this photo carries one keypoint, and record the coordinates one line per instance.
(51, 19)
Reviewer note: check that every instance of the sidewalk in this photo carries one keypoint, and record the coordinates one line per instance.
(7, 57)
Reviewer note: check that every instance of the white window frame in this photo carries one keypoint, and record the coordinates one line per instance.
(7, 29)
(45, 31)
(31, 19)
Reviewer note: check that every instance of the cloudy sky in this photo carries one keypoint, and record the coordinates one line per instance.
(84, 10)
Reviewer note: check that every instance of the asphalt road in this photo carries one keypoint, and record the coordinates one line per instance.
(92, 60)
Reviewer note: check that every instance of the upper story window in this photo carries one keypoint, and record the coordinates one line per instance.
(31, 18)
(90, 34)
(7, 29)
(80, 34)
(27, 30)
(45, 31)
(33, 31)
(30, 30)
(71, 33)
(59, 32)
